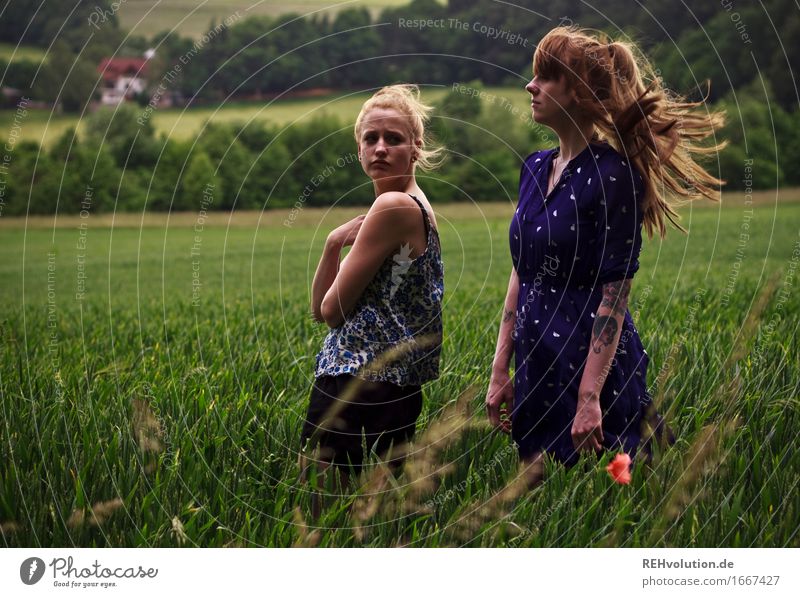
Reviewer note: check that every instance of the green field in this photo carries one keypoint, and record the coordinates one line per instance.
(132, 417)
(147, 17)
(13, 52)
(43, 127)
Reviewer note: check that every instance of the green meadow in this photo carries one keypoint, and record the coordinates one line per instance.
(45, 127)
(9, 52)
(154, 373)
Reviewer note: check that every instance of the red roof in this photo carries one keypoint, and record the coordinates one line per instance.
(113, 68)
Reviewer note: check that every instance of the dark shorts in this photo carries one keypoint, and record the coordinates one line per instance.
(383, 413)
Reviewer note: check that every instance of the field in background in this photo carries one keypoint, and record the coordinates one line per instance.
(180, 123)
(10, 51)
(153, 382)
(312, 216)
(148, 17)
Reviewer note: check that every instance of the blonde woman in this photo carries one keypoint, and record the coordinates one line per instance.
(386, 292)
(624, 146)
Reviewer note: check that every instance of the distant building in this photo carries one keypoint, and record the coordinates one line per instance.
(123, 78)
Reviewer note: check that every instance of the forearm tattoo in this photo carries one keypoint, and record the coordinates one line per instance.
(507, 315)
(604, 331)
(615, 296)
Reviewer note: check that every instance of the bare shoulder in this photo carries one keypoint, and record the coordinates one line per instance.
(395, 209)
(394, 200)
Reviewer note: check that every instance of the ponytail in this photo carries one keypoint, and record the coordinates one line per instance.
(660, 133)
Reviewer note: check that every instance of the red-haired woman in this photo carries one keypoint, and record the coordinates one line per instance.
(624, 145)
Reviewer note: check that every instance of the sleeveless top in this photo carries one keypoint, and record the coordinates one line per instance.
(401, 305)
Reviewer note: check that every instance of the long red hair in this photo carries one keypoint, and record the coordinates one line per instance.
(659, 132)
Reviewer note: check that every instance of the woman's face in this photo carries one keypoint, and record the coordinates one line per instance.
(385, 146)
(551, 100)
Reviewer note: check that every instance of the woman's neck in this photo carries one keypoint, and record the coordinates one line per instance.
(401, 184)
(573, 140)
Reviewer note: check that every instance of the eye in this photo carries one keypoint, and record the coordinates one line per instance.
(394, 138)
(370, 138)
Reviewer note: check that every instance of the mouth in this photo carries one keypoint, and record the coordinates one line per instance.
(380, 163)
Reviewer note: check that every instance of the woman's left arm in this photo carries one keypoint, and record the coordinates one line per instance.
(619, 242)
(587, 428)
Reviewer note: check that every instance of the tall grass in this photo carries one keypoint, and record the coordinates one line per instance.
(133, 418)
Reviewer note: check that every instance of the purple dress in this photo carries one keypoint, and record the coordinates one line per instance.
(564, 247)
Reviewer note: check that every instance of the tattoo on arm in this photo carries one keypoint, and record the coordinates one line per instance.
(615, 296)
(507, 315)
(604, 331)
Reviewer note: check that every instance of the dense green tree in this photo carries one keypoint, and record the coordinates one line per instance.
(69, 80)
(200, 182)
(132, 143)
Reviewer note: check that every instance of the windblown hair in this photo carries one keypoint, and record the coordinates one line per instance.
(405, 99)
(659, 132)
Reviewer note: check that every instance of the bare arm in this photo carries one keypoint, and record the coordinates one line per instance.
(587, 431)
(500, 396)
(328, 266)
(505, 341)
(391, 220)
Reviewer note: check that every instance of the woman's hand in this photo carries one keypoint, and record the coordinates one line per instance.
(500, 400)
(587, 428)
(345, 235)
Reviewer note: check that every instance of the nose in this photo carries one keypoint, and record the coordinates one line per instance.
(532, 88)
(380, 146)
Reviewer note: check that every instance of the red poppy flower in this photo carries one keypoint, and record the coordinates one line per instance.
(620, 468)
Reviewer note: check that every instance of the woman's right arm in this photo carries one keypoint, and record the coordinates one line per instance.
(500, 397)
(328, 266)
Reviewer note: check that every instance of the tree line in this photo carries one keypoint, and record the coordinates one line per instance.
(424, 41)
(123, 165)
(129, 167)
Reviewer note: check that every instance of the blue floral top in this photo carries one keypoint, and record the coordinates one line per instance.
(402, 304)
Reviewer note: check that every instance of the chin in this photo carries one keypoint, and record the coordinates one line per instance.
(539, 118)
(381, 174)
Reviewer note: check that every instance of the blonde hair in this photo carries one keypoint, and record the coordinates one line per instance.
(405, 99)
(618, 89)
